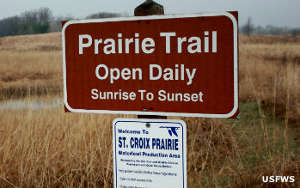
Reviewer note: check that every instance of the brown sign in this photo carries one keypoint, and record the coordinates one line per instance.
(155, 65)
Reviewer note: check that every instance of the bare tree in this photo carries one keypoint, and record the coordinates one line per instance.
(295, 32)
(248, 27)
(103, 15)
(9, 26)
(29, 22)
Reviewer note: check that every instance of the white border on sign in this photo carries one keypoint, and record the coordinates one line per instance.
(235, 44)
(173, 121)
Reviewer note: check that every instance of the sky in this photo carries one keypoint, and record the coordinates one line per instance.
(262, 12)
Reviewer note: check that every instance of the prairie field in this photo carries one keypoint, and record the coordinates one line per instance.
(46, 147)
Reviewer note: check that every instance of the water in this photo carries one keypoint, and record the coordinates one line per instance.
(32, 104)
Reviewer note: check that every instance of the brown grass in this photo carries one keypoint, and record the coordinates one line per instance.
(50, 148)
(30, 65)
(53, 149)
(270, 75)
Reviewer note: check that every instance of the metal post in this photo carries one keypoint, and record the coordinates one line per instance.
(148, 8)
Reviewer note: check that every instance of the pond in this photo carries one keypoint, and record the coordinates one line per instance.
(31, 104)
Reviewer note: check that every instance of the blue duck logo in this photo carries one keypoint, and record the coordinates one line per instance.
(171, 130)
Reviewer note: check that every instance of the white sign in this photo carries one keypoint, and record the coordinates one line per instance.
(149, 153)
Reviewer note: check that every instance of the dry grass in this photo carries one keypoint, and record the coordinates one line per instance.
(30, 65)
(270, 75)
(50, 148)
(39, 42)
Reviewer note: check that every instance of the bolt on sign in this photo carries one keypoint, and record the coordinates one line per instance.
(154, 65)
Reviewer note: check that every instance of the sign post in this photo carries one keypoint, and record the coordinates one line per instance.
(146, 9)
(149, 8)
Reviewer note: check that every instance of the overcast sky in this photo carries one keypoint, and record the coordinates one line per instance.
(262, 12)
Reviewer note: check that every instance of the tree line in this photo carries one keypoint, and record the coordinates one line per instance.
(250, 29)
(43, 21)
(39, 21)
(29, 22)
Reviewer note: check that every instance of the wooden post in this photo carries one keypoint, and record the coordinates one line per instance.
(148, 8)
